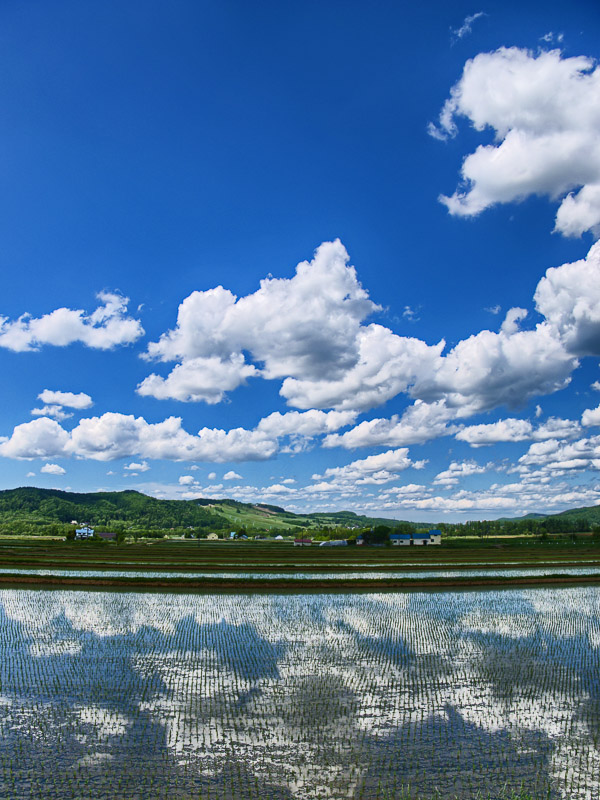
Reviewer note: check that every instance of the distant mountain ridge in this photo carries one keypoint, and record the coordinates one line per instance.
(30, 508)
(131, 509)
(591, 513)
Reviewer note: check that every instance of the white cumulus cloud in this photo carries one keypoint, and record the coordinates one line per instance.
(591, 417)
(387, 365)
(119, 435)
(305, 326)
(137, 466)
(518, 430)
(309, 330)
(554, 455)
(56, 412)
(375, 469)
(569, 297)
(545, 113)
(504, 430)
(202, 378)
(419, 423)
(491, 369)
(457, 470)
(105, 328)
(69, 399)
(53, 469)
(305, 423)
(232, 476)
(512, 319)
(55, 402)
(114, 435)
(40, 438)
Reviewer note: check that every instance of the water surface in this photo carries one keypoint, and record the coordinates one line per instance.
(135, 695)
(519, 572)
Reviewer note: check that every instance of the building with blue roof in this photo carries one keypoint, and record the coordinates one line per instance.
(434, 536)
(404, 539)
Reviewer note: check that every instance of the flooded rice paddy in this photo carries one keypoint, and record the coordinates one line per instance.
(364, 574)
(279, 697)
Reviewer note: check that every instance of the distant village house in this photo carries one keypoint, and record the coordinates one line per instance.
(433, 536)
(85, 532)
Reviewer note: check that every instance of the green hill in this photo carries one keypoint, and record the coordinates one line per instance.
(51, 511)
(43, 507)
(30, 510)
(591, 513)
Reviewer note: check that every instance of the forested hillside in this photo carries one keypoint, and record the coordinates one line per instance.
(51, 511)
(22, 509)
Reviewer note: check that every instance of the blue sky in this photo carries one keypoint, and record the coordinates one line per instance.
(322, 255)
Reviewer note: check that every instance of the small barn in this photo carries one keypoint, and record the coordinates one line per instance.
(400, 539)
(421, 538)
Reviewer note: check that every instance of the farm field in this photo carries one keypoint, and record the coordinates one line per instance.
(265, 566)
(259, 556)
(299, 697)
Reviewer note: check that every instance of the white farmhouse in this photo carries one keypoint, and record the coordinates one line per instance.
(85, 532)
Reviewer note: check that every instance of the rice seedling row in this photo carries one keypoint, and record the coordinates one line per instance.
(374, 696)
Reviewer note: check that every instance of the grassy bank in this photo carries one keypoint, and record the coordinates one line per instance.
(266, 585)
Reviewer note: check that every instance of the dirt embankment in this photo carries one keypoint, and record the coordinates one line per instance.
(263, 585)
